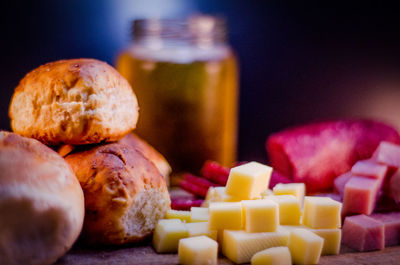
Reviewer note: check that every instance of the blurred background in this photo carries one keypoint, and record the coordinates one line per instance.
(298, 62)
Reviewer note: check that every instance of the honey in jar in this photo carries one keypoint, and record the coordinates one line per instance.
(185, 77)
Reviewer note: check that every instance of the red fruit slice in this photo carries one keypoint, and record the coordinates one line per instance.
(215, 172)
(317, 153)
(185, 204)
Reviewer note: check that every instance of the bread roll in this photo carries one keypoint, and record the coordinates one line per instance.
(78, 101)
(149, 152)
(125, 195)
(41, 202)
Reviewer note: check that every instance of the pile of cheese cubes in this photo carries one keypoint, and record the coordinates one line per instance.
(249, 223)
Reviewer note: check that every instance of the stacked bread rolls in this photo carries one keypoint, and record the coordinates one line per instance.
(87, 109)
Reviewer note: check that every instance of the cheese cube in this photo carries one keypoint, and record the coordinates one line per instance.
(198, 251)
(289, 209)
(260, 215)
(201, 229)
(167, 234)
(184, 216)
(248, 181)
(218, 194)
(296, 189)
(266, 194)
(272, 256)
(239, 246)
(199, 214)
(332, 239)
(321, 212)
(305, 246)
(225, 215)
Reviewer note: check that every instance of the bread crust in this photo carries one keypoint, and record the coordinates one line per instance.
(41, 202)
(125, 195)
(77, 101)
(149, 152)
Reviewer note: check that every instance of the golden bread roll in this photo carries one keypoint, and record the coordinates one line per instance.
(41, 202)
(125, 195)
(78, 101)
(149, 152)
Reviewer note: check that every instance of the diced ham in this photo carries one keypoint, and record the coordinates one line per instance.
(276, 178)
(199, 181)
(363, 233)
(193, 188)
(369, 168)
(393, 186)
(340, 182)
(317, 153)
(215, 172)
(391, 223)
(185, 204)
(360, 195)
(386, 204)
(388, 153)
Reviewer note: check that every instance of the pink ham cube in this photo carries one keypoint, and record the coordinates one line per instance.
(387, 153)
(363, 233)
(393, 186)
(340, 182)
(369, 168)
(360, 195)
(391, 222)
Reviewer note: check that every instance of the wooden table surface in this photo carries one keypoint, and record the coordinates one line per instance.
(145, 254)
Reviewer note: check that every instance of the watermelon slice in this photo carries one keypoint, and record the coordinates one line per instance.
(319, 152)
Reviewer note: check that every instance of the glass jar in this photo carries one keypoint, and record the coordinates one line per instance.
(185, 77)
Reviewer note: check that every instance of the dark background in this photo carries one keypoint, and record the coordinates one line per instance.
(299, 62)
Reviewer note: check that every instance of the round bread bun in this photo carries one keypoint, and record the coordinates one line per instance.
(125, 195)
(149, 152)
(77, 101)
(41, 202)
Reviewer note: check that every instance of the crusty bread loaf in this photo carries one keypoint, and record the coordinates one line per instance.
(149, 152)
(125, 195)
(41, 202)
(78, 101)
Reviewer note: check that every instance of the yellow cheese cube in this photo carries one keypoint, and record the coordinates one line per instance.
(218, 194)
(199, 214)
(248, 181)
(184, 216)
(225, 215)
(201, 229)
(332, 239)
(198, 250)
(321, 212)
(289, 209)
(260, 215)
(305, 246)
(272, 256)
(239, 246)
(296, 189)
(167, 234)
(266, 193)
